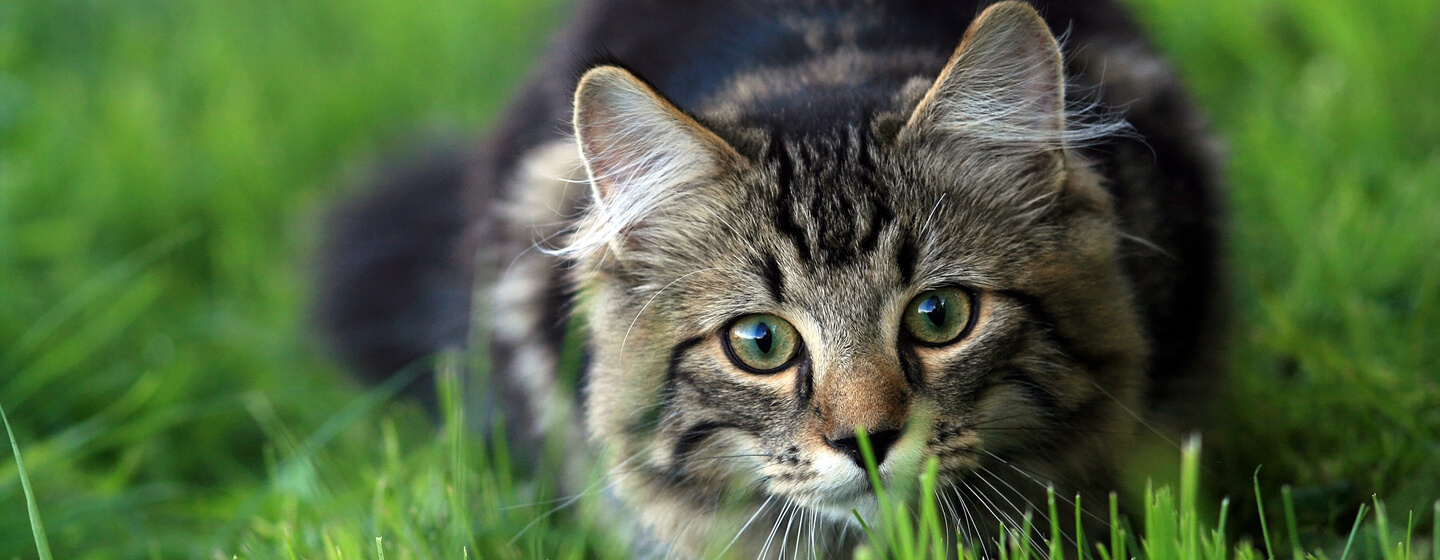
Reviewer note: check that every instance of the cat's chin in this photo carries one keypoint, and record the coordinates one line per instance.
(842, 508)
(838, 499)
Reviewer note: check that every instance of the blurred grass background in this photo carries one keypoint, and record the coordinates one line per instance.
(163, 164)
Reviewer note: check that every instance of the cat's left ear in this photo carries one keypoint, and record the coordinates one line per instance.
(1004, 86)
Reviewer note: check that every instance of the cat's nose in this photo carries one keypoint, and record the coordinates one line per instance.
(880, 443)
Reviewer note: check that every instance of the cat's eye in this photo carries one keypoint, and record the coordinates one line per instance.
(938, 316)
(762, 343)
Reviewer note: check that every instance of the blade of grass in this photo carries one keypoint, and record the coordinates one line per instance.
(1220, 549)
(1382, 523)
(929, 510)
(1290, 526)
(895, 525)
(1360, 516)
(1190, 498)
(1260, 507)
(1025, 547)
(1409, 535)
(451, 388)
(1057, 550)
(1115, 526)
(42, 545)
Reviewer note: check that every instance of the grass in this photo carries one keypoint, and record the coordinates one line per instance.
(162, 164)
(37, 526)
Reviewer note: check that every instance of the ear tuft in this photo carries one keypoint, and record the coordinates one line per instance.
(633, 138)
(639, 149)
(1005, 84)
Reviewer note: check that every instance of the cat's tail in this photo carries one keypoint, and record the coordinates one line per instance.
(395, 283)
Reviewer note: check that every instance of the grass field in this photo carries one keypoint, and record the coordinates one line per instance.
(163, 162)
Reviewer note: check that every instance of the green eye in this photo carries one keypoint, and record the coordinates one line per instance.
(938, 316)
(762, 343)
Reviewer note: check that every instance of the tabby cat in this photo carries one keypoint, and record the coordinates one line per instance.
(783, 221)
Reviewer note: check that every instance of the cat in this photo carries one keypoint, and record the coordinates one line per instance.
(785, 221)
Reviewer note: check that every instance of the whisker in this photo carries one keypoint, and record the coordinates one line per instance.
(1057, 429)
(1135, 415)
(778, 520)
(964, 507)
(1149, 244)
(1032, 506)
(1033, 477)
(983, 471)
(947, 511)
(990, 506)
(814, 516)
(785, 537)
(1012, 524)
(757, 513)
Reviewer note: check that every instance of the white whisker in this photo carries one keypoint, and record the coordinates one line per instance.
(1046, 484)
(778, 520)
(757, 513)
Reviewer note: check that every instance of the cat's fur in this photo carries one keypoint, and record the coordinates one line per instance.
(824, 161)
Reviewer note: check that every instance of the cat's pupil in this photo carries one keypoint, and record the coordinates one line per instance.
(763, 340)
(934, 309)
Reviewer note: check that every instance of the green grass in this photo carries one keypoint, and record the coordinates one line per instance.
(162, 164)
(37, 525)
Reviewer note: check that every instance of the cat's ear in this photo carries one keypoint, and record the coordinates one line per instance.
(635, 143)
(1004, 85)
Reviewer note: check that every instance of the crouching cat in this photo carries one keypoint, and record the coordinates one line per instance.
(786, 221)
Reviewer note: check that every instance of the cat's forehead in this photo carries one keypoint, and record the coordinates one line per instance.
(832, 200)
(846, 201)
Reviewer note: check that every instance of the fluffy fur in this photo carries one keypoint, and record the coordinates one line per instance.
(825, 162)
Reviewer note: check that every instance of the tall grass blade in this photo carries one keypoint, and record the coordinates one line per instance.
(1359, 516)
(1057, 547)
(1190, 499)
(1219, 546)
(897, 527)
(1409, 535)
(1290, 526)
(1382, 523)
(1264, 527)
(42, 545)
(930, 524)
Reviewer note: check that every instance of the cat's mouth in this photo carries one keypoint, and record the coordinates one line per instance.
(839, 497)
(840, 505)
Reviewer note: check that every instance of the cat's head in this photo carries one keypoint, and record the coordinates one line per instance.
(940, 273)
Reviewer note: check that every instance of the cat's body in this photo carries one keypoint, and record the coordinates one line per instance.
(813, 172)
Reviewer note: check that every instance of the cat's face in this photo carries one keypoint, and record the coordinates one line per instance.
(943, 282)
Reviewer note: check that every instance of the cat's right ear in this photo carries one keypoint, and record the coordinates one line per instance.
(1004, 85)
(636, 144)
